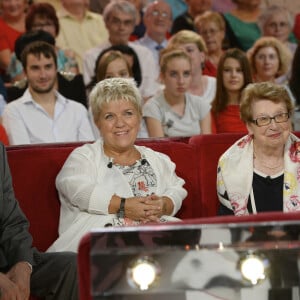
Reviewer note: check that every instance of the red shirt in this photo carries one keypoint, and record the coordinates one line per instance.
(8, 36)
(297, 26)
(228, 121)
(209, 69)
(3, 136)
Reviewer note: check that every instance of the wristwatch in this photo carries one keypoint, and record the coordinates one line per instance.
(121, 211)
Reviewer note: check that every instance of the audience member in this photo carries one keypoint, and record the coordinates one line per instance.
(278, 22)
(12, 24)
(110, 63)
(241, 24)
(234, 74)
(211, 26)
(42, 16)
(193, 44)
(259, 172)
(132, 60)
(80, 29)
(139, 28)
(158, 21)
(186, 20)
(174, 111)
(25, 270)
(113, 63)
(68, 84)
(270, 60)
(135, 184)
(120, 17)
(42, 115)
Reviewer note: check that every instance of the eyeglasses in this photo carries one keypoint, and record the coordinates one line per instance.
(266, 120)
(156, 13)
(274, 25)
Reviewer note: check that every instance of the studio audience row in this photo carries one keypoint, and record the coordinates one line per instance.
(217, 76)
(189, 82)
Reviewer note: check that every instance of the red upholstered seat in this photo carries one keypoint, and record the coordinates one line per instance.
(209, 148)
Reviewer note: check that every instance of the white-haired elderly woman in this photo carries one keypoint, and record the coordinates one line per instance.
(260, 172)
(278, 21)
(113, 182)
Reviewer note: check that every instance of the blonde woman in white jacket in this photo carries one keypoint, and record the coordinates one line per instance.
(112, 182)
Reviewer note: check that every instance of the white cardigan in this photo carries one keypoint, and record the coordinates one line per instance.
(86, 185)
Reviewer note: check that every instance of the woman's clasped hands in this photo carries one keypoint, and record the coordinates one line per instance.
(146, 209)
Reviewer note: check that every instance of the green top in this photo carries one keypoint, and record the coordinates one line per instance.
(246, 32)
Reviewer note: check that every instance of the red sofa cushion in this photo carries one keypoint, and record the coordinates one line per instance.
(34, 169)
(209, 148)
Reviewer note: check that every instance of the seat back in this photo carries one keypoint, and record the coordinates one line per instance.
(209, 148)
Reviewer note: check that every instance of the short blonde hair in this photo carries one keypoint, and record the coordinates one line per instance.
(284, 54)
(114, 89)
(185, 37)
(262, 90)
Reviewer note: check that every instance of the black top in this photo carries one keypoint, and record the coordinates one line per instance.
(268, 195)
(183, 22)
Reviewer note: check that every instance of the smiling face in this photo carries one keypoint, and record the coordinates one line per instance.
(266, 63)
(158, 19)
(41, 73)
(13, 9)
(274, 134)
(119, 123)
(233, 76)
(177, 76)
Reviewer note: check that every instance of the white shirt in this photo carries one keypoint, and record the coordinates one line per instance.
(86, 184)
(149, 83)
(173, 124)
(26, 122)
(152, 45)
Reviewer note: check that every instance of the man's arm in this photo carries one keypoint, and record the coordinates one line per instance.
(15, 238)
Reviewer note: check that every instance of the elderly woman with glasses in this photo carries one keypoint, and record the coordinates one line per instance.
(260, 172)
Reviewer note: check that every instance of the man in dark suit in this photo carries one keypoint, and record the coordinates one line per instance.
(23, 269)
